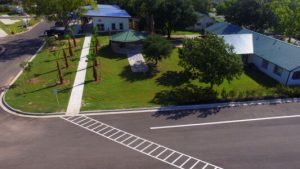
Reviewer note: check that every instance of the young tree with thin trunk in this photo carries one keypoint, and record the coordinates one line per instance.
(65, 58)
(60, 76)
(210, 60)
(93, 58)
(70, 48)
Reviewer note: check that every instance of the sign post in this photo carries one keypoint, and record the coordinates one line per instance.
(55, 91)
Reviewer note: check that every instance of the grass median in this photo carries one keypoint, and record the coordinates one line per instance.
(35, 90)
(18, 26)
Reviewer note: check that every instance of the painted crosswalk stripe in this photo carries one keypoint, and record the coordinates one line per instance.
(151, 149)
(204, 166)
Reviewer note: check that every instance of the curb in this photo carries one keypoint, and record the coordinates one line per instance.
(2, 49)
(4, 105)
(29, 29)
(191, 107)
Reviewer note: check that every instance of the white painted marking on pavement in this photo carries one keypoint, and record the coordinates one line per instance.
(151, 149)
(224, 122)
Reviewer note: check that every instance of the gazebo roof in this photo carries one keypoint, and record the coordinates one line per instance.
(128, 36)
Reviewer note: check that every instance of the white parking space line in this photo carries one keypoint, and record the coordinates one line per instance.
(154, 150)
(225, 122)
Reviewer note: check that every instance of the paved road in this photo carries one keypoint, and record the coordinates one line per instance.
(18, 49)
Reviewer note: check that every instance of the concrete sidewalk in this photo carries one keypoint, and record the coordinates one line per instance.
(2, 33)
(78, 86)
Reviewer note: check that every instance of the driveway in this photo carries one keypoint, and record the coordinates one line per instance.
(19, 48)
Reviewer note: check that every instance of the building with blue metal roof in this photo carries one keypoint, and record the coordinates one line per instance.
(108, 18)
(276, 58)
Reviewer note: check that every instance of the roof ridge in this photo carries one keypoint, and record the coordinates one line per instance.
(261, 34)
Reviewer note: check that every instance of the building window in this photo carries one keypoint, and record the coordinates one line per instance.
(100, 27)
(296, 75)
(113, 26)
(121, 26)
(99, 20)
(278, 70)
(265, 64)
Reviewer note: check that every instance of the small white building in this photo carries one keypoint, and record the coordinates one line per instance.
(108, 18)
(277, 59)
(203, 21)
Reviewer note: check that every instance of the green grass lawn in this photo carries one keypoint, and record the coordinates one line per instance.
(167, 85)
(33, 91)
(185, 32)
(17, 27)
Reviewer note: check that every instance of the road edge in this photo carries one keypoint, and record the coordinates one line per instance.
(5, 106)
(191, 107)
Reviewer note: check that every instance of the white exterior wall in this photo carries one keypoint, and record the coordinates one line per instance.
(107, 21)
(257, 61)
(202, 23)
(291, 80)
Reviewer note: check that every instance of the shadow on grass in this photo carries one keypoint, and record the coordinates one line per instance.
(130, 76)
(260, 77)
(67, 90)
(176, 115)
(188, 94)
(174, 78)
(37, 90)
(107, 52)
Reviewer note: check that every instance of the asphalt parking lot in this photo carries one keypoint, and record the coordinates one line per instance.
(270, 143)
(208, 138)
(56, 143)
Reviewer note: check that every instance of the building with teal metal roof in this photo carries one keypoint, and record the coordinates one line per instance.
(276, 58)
(128, 36)
(127, 40)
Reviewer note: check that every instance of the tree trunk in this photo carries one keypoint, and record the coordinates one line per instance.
(156, 62)
(61, 79)
(74, 41)
(152, 24)
(290, 39)
(211, 85)
(96, 62)
(66, 59)
(97, 45)
(70, 48)
(95, 72)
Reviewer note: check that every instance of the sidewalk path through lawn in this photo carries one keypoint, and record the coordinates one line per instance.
(2, 33)
(78, 86)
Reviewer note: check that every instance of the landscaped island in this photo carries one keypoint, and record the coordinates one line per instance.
(36, 88)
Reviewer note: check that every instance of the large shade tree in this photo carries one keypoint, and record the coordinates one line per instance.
(155, 48)
(203, 6)
(56, 10)
(254, 14)
(175, 14)
(288, 14)
(210, 60)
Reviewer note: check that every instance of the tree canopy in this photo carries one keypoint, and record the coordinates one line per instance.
(210, 60)
(56, 10)
(254, 14)
(155, 48)
(174, 14)
(288, 14)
